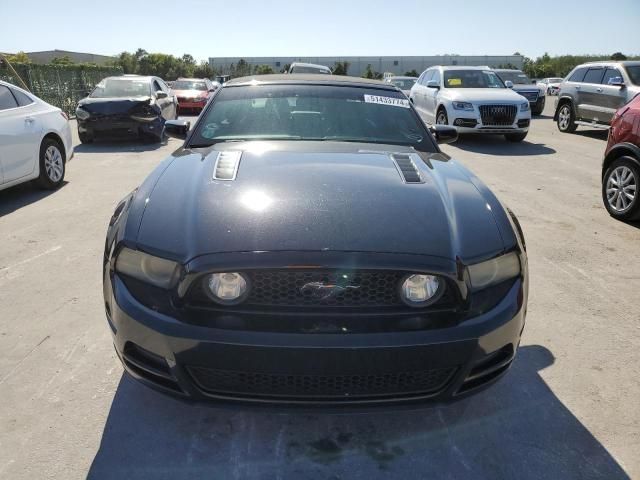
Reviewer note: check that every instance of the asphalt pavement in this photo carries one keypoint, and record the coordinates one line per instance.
(568, 408)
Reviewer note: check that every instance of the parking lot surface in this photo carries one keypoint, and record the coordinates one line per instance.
(567, 409)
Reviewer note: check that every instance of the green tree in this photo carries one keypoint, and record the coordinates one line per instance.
(411, 73)
(66, 60)
(618, 56)
(341, 68)
(262, 70)
(141, 52)
(242, 69)
(128, 62)
(19, 57)
(204, 70)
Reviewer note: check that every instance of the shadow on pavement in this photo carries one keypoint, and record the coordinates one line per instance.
(598, 134)
(497, 145)
(120, 145)
(14, 198)
(516, 429)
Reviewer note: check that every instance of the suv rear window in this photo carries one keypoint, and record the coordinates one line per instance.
(578, 75)
(634, 74)
(594, 75)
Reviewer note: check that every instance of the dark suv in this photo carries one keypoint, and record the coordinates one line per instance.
(592, 92)
(621, 166)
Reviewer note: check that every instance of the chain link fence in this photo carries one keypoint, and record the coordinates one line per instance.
(59, 85)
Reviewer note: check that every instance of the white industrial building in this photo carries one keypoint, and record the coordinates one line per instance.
(358, 65)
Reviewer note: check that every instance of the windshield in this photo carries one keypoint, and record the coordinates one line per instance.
(121, 87)
(634, 74)
(471, 79)
(189, 85)
(300, 69)
(311, 112)
(404, 83)
(518, 78)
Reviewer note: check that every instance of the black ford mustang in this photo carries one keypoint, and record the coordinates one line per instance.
(310, 244)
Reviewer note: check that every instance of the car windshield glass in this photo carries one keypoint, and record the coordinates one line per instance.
(518, 78)
(472, 79)
(311, 112)
(117, 87)
(634, 74)
(404, 83)
(299, 69)
(188, 85)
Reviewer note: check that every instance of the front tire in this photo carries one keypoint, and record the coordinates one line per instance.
(566, 119)
(52, 164)
(620, 189)
(85, 137)
(516, 137)
(442, 118)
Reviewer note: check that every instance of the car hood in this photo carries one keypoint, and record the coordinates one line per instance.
(315, 196)
(480, 95)
(108, 106)
(190, 93)
(529, 87)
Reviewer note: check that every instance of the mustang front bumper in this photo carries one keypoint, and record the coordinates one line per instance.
(313, 369)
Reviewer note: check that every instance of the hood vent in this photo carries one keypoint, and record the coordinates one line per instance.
(406, 167)
(226, 167)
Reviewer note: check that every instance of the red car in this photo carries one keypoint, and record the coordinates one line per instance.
(193, 93)
(621, 166)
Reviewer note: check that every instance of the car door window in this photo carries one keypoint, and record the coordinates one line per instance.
(578, 75)
(609, 74)
(7, 100)
(594, 75)
(428, 76)
(436, 76)
(157, 87)
(21, 98)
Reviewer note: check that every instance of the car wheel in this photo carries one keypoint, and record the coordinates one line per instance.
(85, 137)
(566, 120)
(52, 164)
(516, 137)
(441, 118)
(620, 189)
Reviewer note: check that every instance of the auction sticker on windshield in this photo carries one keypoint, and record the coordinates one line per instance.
(394, 102)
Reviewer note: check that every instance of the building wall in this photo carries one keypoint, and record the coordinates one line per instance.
(77, 57)
(358, 65)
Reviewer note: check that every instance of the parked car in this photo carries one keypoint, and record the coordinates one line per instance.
(473, 99)
(297, 67)
(193, 93)
(592, 92)
(403, 83)
(551, 84)
(524, 86)
(128, 105)
(35, 139)
(365, 268)
(621, 165)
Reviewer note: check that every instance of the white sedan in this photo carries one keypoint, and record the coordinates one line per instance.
(35, 139)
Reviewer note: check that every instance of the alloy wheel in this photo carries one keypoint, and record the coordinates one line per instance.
(53, 163)
(564, 117)
(622, 188)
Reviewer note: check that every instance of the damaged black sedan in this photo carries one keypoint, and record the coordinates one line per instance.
(129, 106)
(311, 245)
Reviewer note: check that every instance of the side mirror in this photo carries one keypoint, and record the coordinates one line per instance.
(177, 128)
(508, 84)
(444, 133)
(433, 84)
(616, 82)
(160, 94)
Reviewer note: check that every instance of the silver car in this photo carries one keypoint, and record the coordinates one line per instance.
(403, 83)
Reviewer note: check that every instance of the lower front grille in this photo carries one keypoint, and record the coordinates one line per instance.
(531, 96)
(498, 115)
(343, 387)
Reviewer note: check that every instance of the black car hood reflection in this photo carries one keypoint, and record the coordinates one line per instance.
(315, 196)
(110, 106)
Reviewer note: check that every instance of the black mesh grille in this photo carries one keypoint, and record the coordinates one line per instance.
(498, 115)
(302, 288)
(531, 96)
(407, 168)
(343, 387)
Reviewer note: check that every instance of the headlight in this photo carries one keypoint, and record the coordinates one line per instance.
(226, 288)
(494, 271)
(82, 114)
(463, 106)
(420, 290)
(524, 107)
(147, 268)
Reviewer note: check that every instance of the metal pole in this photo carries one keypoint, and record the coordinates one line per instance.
(24, 85)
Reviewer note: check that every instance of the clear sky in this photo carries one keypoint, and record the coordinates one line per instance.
(322, 27)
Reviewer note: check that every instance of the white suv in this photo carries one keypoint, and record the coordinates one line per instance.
(472, 99)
